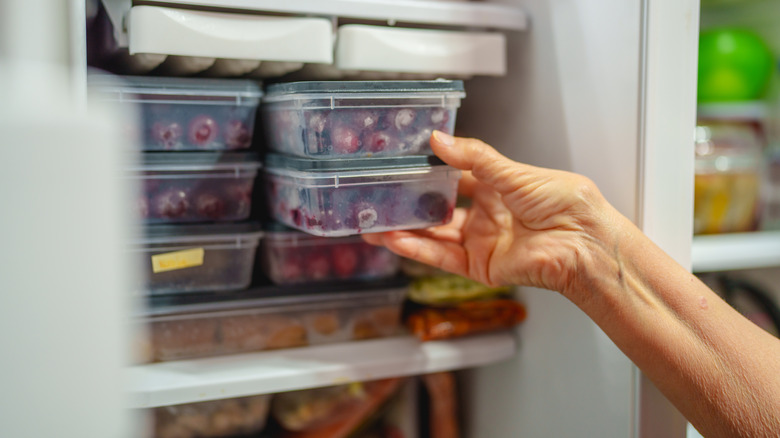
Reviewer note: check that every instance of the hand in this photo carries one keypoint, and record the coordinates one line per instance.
(526, 225)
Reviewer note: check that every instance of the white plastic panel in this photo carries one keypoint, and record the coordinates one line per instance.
(726, 252)
(378, 48)
(170, 383)
(169, 31)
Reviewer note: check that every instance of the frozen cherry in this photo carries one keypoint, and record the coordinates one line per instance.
(365, 120)
(240, 197)
(403, 119)
(440, 117)
(364, 215)
(317, 122)
(290, 269)
(344, 140)
(170, 204)
(317, 266)
(377, 141)
(167, 134)
(432, 207)
(345, 260)
(210, 206)
(237, 135)
(202, 131)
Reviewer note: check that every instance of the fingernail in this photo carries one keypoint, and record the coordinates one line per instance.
(445, 139)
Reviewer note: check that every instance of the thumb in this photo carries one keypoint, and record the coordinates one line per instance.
(486, 164)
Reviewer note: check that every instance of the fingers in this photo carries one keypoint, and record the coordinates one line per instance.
(485, 163)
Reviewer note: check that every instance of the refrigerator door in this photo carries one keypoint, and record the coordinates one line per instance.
(605, 88)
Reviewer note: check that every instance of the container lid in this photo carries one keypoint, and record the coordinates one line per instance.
(348, 164)
(175, 90)
(330, 87)
(274, 296)
(186, 160)
(167, 233)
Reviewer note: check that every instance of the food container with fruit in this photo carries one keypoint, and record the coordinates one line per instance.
(223, 326)
(340, 197)
(195, 187)
(180, 114)
(212, 419)
(353, 119)
(195, 258)
(293, 257)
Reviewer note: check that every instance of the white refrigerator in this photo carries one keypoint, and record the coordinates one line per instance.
(606, 88)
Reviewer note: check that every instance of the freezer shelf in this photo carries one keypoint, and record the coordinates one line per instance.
(169, 383)
(726, 252)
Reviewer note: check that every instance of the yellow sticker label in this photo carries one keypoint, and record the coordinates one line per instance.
(170, 261)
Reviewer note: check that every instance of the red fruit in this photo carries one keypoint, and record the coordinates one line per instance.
(378, 260)
(170, 204)
(345, 260)
(364, 215)
(344, 140)
(202, 131)
(365, 120)
(210, 206)
(376, 141)
(237, 135)
(240, 195)
(440, 117)
(290, 269)
(167, 134)
(317, 122)
(432, 207)
(403, 119)
(317, 266)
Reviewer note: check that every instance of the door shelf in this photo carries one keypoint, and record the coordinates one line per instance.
(726, 252)
(171, 383)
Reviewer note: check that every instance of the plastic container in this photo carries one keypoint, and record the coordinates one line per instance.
(195, 258)
(195, 187)
(188, 113)
(293, 257)
(727, 178)
(216, 418)
(353, 119)
(344, 197)
(225, 327)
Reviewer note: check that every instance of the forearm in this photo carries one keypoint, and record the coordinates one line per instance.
(719, 369)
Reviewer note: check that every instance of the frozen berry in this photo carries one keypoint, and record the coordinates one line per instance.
(317, 266)
(210, 206)
(403, 119)
(364, 215)
(365, 120)
(432, 207)
(440, 117)
(170, 204)
(290, 269)
(202, 131)
(317, 121)
(378, 261)
(376, 141)
(344, 140)
(237, 135)
(345, 260)
(167, 134)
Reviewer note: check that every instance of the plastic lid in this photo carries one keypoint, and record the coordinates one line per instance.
(162, 161)
(348, 164)
(329, 87)
(165, 233)
(131, 88)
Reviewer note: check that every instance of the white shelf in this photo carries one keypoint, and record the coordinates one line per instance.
(462, 14)
(725, 252)
(170, 383)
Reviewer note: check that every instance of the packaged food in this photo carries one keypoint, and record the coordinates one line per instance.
(451, 289)
(344, 197)
(217, 418)
(218, 327)
(727, 181)
(195, 187)
(293, 257)
(353, 119)
(187, 114)
(331, 412)
(434, 323)
(443, 404)
(194, 258)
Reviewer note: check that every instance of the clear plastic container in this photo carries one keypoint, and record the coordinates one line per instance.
(353, 119)
(212, 419)
(195, 187)
(293, 257)
(195, 258)
(226, 327)
(188, 113)
(344, 197)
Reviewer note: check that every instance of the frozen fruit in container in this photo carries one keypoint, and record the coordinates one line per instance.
(188, 114)
(345, 197)
(212, 419)
(353, 119)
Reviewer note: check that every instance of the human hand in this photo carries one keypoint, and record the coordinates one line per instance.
(526, 225)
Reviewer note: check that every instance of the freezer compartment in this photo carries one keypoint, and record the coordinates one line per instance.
(220, 328)
(217, 418)
(352, 119)
(294, 257)
(195, 258)
(195, 187)
(187, 113)
(345, 197)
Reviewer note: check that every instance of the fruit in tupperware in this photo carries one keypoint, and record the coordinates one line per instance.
(432, 206)
(202, 131)
(237, 135)
(167, 134)
(170, 204)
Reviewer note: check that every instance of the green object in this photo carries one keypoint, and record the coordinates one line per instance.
(451, 289)
(734, 64)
